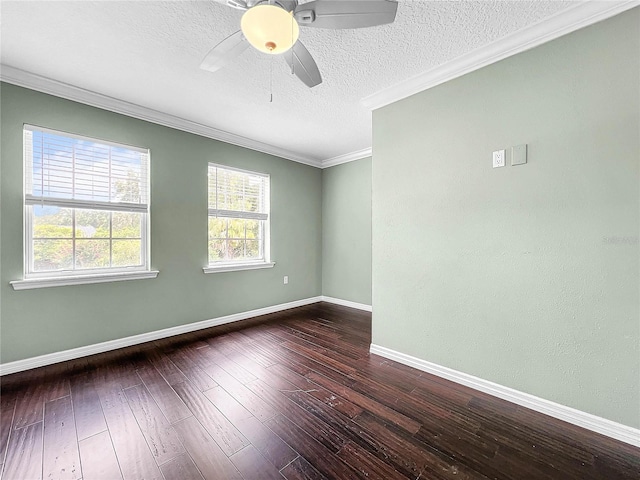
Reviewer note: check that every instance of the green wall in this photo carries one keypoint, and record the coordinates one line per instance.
(527, 276)
(46, 320)
(346, 231)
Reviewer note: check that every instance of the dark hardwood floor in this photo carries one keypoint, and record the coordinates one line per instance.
(291, 395)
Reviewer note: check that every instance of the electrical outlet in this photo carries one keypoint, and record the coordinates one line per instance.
(286, 279)
(499, 158)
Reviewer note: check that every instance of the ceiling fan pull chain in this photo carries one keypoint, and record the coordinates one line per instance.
(271, 79)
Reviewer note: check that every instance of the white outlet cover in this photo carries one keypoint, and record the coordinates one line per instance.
(519, 154)
(499, 158)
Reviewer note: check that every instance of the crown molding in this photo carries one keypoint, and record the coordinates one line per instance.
(32, 81)
(347, 157)
(567, 21)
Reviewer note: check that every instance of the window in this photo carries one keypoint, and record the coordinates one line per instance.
(238, 219)
(86, 206)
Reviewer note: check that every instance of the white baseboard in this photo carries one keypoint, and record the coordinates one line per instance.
(586, 420)
(347, 303)
(51, 358)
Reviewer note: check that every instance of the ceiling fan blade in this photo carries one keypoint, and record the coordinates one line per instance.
(224, 52)
(239, 4)
(303, 65)
(346, 13)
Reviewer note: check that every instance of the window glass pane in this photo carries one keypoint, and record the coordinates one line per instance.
(52, 222)
(92, 224)
(217, 249)
(236, 228)
(236, 249)
(126, 253)
(126, 225)
(92, 253)
(52, 255)
(252, 228)
(217, 227)
(253, 249)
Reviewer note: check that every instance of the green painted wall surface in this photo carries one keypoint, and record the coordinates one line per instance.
(36, 322)
(527, 276)
(346, 231)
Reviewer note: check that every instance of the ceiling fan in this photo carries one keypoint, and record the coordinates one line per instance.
(272, 27)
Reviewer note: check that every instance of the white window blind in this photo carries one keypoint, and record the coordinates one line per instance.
(77, 172)
(236, 193)
(238, 205)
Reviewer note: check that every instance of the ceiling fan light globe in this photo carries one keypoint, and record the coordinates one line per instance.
(270, 29)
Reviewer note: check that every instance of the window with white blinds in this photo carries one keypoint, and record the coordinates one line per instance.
(87, 205)
(238, 216)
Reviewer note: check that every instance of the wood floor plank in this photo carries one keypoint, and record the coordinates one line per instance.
(98, 458)
(219, 427)
(30, 405)
(56, 387)
(243, 346)
(205, 452)
(7, 410)
(300, 469)
(302, 383)
(366, 464)
(313, 451)
(165, 366)
(86, 406)
(165, 397)
(249, 400)
(157, 431)
(316, 427)
(229, 406)
(319, 355)
(181, 468)
(407, 453)
(270, 445)
(295, 360)
(253, 466)
(61, 458)
(134, 456)
(366, 403)
(24, 454)
(236, 370)
(192, 371)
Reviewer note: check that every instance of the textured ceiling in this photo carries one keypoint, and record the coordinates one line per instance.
(148, 53)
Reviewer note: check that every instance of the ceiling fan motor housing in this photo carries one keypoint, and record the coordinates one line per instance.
(288, 5)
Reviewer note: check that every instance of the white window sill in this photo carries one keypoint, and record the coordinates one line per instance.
(31, 283)
(234, 267)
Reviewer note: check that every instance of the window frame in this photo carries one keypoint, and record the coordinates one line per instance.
(243, 264)
(37, 279)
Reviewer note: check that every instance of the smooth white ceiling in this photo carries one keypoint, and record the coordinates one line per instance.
(148, 53)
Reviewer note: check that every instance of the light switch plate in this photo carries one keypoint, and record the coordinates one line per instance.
(499, 158)
(519, 154)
